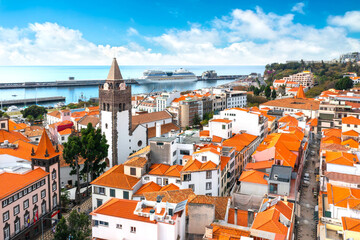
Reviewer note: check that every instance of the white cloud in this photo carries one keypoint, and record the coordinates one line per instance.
(244, 37)
(132, 32)
(350, 20)
(299, 8)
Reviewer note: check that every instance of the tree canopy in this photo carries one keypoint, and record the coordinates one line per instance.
(344, 83)
(34, 111)
(77, 226)
(267, 91)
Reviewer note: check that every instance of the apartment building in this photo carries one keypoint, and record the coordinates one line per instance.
(188, 110)
(236, 99)
(165, 100)
(305, 79)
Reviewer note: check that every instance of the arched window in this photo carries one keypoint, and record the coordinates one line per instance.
(108, 107)
(123, 107)
(120, 107)
(104, 107)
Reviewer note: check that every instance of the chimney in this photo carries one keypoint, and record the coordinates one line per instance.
(152, 215)
(250, 217)
(158, 204)
(209, 232)
(158, 129)
(285, 198)
(235, 215)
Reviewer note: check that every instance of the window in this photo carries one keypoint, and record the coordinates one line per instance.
(171, 212)
(99, 202)
(348, 125)
(187, 177)
(125, 195)
(16, 196)
(165, 181)
(208, 194)
(174, 153)
(106, 126)
(203, 158)
(6, 216)
(102, 223)
(133, 171)
(133, 229)
(43, 208)
(184, 152)
(147, 178)
(158, 181)
(20, 194)
(119, 226)
(26, 204)
(95, 223)
(192, 186)
(208, 186)
(208, 174)
(27, 219)
(17, 225)
(16, 210)
(99, 190)
(55, 200)
(62, 138)
(223, 126)
(6, 231)
(139, 143)
(35, 198)
(43, 194)
(112, 192)
(5, 203)
(54, 186)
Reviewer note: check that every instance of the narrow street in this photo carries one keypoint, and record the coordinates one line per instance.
(307, 225)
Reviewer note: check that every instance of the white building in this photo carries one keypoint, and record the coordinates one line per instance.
(114, 183)
(165, 100)
(245, 120)
(221, 128)
(236, 99)
(120, 219)
(163, 175)
(121, 134)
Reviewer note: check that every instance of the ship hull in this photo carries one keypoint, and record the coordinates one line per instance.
(148, 81)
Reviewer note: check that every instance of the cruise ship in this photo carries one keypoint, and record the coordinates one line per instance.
(156, 76)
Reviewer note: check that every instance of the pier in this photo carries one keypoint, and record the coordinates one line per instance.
(29, 101)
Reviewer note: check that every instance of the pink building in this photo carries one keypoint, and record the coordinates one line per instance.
(30, 196)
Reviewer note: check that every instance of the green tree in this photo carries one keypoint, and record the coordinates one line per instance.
(79, 225)
(94, 150)
(273, 94)
(64, 198)
(34, 111)
(267, 91)
(71, 154)
(196, 120)
(344, 83)
(256, 91)
(62, 231)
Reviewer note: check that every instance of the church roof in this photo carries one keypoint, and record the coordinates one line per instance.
(300, 93)
(114, 73)
(45, 149)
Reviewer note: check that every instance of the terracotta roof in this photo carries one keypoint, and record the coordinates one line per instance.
(11, 136)
(165, 128)
(13, 126)
(12, 182)
(94, 108)
(169, 187)
(172, 196)
(116, 178)
(242, 217)
(352, 133)
(114, 73)
(55, 114)
(331, 139)
(221, 232)
(341, 158)
(333, 147)
(136, 162)
(89, 119)
(216, 139)
(150, 117)
(196, 166)
(121, 208)
(66, 131)
(350, 120)
(259, 165)
(343, 197)
(240, 141)
(223, 162)
(341, 177)
(33, 132)
(78, 114)
(254, 176)
(221, 120)
(332, 132)
(351, 224)
(300, 93)
(45, 149)
(220, 204)
(351, 143)
(204, 133)
(313, 122)
(298, 103)
(165, 170)
(141, 152)
(23, 150)
(147, 187)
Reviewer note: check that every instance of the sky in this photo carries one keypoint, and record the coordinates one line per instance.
(188, 32)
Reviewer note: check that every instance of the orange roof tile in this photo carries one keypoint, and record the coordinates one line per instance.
(223, 162)
(55, 114)
(352, 133)
(298, 103)
(351, 143)
(239, 141)
(171, 196)
(12, 182)
(116, 178)
(16, 126)
(254, 176)
(220, 204)
(259, 165)
(341, 158)
(148, 187)
(300, 93)
(195, 166)
(150, 117)
(351, 120)
(23, 150)
(343, 196)
(221, 232)
(313, 122)
(121, 208)
(351, 224)
(216, 139)
(332, 132)
(165, 170)
(136, 162)
(45, 149)
(221, 120)
(165, 128)
(169, 187)
(11, 136)
(207, 149)
(205, 133)
(331, 139)
(66, 131)
(242, 217)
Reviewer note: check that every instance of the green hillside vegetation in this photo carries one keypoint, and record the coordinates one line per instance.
(326, 75)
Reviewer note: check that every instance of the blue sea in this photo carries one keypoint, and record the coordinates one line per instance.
(73, 94)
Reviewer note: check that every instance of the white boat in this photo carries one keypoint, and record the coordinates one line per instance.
(157, 76)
